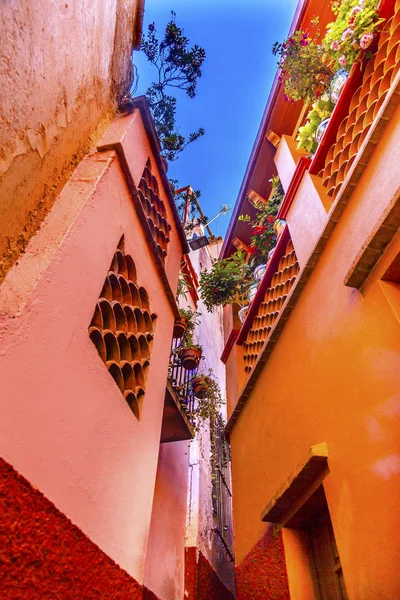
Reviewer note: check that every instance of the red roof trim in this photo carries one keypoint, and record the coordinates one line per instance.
(302, 166)
(264, 285)
(229, 345)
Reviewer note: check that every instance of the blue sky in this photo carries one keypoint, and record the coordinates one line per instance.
(237, 75)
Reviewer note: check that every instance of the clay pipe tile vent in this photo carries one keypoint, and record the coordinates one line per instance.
(154, 208)
(122, 328)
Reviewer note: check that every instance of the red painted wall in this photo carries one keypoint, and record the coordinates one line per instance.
(201, 581)
(44, 556)
(262, 573)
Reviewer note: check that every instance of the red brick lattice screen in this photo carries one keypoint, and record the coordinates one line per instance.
(365, 104)
(154, 209)
(269, 309)
(122, 329)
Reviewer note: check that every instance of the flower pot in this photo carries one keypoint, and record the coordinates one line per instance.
(321, 129)
(190, 358)
(279, 226)
(242, 314)
(337, 84)
(259, 271)
(199, 387)
(179, 328)
(252, 291)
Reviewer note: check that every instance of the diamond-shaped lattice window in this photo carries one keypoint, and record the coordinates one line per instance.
(122, 329)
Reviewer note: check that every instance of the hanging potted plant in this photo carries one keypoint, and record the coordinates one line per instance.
(190, 355)
(226, 282)
(179, 328)
(189, 352)
(205, 387)
(187, 322)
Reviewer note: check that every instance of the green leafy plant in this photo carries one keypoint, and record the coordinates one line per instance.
(192, 320)
(321, 109)
(353, 30)
(178, 66)
(225, 282)
(305, 65)
(263, 239)
(208, 405)
(184, 286)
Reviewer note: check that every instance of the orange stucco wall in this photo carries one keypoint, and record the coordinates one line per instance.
(334, 377)
(66, 426)
(63, 68)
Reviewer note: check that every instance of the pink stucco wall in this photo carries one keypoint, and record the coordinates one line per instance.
(165, 566)
(65, 425)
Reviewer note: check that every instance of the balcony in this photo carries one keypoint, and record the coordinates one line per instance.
(179, 401)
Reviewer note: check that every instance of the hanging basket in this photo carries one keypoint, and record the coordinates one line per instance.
(199, 387)
(190, 358)
(179, 328)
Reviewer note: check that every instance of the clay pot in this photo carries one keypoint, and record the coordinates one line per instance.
(198, 386)
(179, 328)
(190, 358)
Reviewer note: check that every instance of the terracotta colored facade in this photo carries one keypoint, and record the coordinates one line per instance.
(313, 373)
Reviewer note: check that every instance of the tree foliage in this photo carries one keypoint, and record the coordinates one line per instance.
(178, 66)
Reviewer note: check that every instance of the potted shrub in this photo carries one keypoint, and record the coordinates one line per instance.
(353, 30)
(308, 136)
(306, 66)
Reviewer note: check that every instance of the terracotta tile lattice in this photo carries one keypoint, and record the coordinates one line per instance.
(269, 309)
(365, 104)
(154, 209)
(122, 329)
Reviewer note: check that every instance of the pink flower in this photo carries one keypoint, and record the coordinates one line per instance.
(356, 10)
(335, 46)
(342, 60)
(366, 40)
(347, 33)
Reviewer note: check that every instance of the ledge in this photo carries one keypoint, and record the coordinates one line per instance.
(300, 486)
(375, 246)
(302, 166)
(229, 345)
(346, 189)
(176, 426)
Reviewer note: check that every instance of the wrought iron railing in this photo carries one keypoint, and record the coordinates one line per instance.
(181, 379)
(221, 487)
